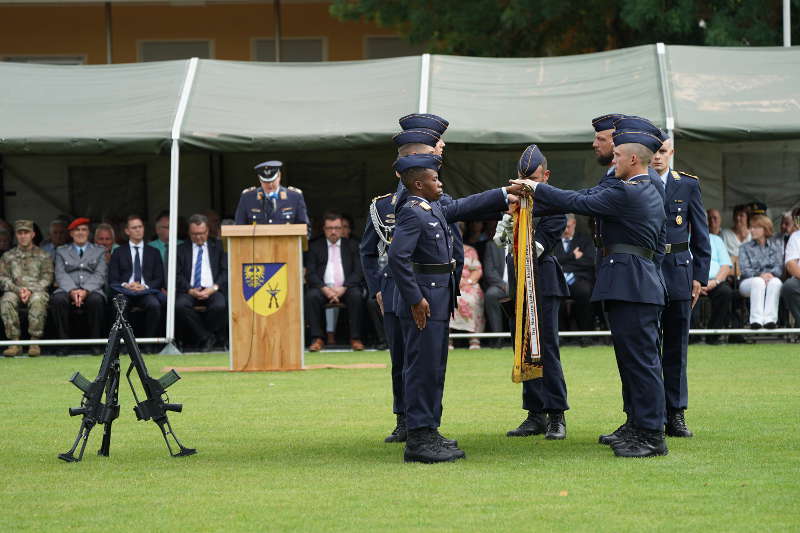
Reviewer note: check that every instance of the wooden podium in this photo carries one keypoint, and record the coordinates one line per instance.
(265, 296)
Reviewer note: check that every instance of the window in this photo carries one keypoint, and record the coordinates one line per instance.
(47, 60)
(305, 49)
(388, 46)
(167, 50)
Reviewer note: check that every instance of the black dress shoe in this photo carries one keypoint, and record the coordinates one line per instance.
(535, 424)
(642, 443)
(556, 426)
(676, 425)
(755, 325)
(423, 446)
(616, 436)
(399, 433)
(770, 325)
(208, 344)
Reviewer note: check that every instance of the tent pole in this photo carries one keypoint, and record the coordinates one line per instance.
(174, 173)
(2, 189)
(424, 82)
(109, 47)
(278, 33)
(661, 55)
(787, 23)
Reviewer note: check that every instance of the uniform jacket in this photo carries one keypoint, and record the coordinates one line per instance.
(31, 269)
(583, 268)
(74, 272)
(632, 212)
(686, 221)
(550, 278)
(120, 268)
(256, 208)
(316, 260)
(422, 235)
(217, 259)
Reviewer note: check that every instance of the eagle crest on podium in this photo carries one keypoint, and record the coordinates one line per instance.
(264, 286)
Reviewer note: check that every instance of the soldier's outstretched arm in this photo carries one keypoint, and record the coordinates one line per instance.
(608, 202)
(404, 242)
(476, 205)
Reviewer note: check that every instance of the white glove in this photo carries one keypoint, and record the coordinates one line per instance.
(539, 249)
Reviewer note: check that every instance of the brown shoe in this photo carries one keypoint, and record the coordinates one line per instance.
(357, 345)
(12, 351)
(34, 350)
(331, 338)
(317, 345)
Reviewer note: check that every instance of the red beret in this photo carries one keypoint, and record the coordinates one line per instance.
(81, 221)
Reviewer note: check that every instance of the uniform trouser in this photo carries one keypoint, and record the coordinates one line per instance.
(423, 371)
(37, 314)
(315, 301)
(200, 327)
(764, 298)
(95, 306)
(634, 329)
(790, 292)
(548, 394)
(394, 338)
(675, 322)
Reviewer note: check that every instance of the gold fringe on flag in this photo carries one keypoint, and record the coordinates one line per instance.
(527, 354)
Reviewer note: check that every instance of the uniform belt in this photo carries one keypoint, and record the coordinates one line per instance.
(427, 268)
(676, 247)
(628, 249)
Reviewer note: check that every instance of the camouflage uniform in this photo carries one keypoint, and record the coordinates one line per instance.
(31, 269)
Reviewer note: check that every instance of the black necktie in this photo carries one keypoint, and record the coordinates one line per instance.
(137, 267)
(80, 253)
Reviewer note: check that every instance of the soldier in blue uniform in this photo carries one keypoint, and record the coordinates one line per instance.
(271, 203)
(421, 260)
(545, 399)
(684, 273)
(629, 281)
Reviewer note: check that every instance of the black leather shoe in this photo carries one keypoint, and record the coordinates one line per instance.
(208, 344)
(616, 436)
(399, 433)
(755, 325)
(642, 443)
(423, 446)
(556, 427)
(676, 425)
(535, 424)
(770, 325)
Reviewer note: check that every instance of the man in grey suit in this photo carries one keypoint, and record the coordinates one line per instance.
(80, 277)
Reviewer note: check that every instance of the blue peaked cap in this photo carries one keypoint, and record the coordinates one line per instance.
(530, 160)
(424, 120)
(431, 161)
(419, 135)
(631, 122)
(606, 122)
(268, 170)
(647, 139)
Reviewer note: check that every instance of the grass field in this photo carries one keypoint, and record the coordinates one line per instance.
(304, 451)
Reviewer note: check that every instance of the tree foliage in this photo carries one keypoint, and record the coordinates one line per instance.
(524, 28)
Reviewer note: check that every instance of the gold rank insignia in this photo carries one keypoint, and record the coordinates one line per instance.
(283, 195)
(679, 220)
(425, 205)
(295, 189)
(248, 189)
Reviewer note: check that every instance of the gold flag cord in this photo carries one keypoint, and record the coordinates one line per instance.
(527, 356)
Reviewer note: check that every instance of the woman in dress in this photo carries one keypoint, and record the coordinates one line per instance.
(761, 262)
(469, 315)
(738, 234)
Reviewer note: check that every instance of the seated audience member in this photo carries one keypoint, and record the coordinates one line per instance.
(468, 315)
(787, 228)
(161, 242)
(58, 236)
(202, 280)
(475, 236)
(790, 292)
(576, 254)
(214, 224)
(761, 262)
(104, 237)
(81, 277)
(136, 271)
(738, 234)
(333, 276)
(5, 240)
(347, 228)
(26, 272)
(715, 222)
(495, 281)
(718, 289)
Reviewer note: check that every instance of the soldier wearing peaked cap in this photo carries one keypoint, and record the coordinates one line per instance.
(421, 261)
(271, 203)
(685, 269)
(632, 214)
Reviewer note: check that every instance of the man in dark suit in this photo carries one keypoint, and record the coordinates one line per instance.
(202, 280)
(495, 278)
(333, 275)
(136, 271)
(576, 255)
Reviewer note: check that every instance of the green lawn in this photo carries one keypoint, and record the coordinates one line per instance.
(304, 450)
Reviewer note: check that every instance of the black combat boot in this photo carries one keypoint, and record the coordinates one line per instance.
(641, 443)
(423, 446)
(450, 444)
(535, 424)
(676, 424)
(617, 435)
(399, 433)
(556, 426)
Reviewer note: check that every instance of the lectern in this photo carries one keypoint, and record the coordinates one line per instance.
(265, 298)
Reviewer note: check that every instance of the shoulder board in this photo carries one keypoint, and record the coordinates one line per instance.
(295, 189)
(249, 189)
(381, 197)
(682, 173)
(632, 182)
(425, 205)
